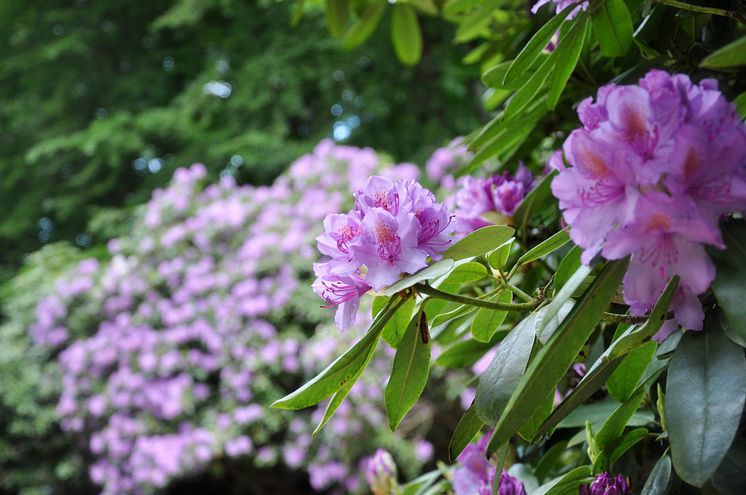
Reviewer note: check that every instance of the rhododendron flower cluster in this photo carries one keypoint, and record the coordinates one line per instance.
(475, 474)
(171, 351)
(394, 228)
(445, 160)
(479, 200)
(606, 484)
(654, 168)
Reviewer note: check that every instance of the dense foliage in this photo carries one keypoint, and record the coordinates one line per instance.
(609, 297)
(101, 101)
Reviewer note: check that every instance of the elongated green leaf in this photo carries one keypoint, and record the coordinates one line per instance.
(410, 371)
(458, 312)
(730, 477)
(705, 394)
(623, 382)
(499, 257)
(462, 354)
(554, 359)
(612, 25)
(466, 429)
(535, 201)
(631, 439)
(531, 87)
(493, 77)
(544, 248)
(560, 301)
(731, 55)
(405, 33)
(397, 324)
(437, 269)
(613, 427)
(364, 26)
(549, 460)
(569, 264)
(487, 321)
(568, 54)
(343, 370)
(657, 482)
(567, 483)
(504, 371)
(337, 16)
(535, 46)
(729, 286)
(479, 242)
(337, 399)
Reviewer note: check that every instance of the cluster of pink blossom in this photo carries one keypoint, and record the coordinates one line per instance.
(480, 201)
(654, 168)
(171, 351)
(394, 228)
(446, 160)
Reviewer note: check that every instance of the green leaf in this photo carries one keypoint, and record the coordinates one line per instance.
(410, 371)
(545, 247)
(535, 46)
(467, 428)
(631, 439)
(730, 477)
(657, 482)
(397, 324)
(560, 301)
(405, 33)
(612, 24)
(437, 269)
(568, 483)
(554, 359)
(728, 286)
(569, 264)
(535, 201)
(463, 354)
(623, 382)
(499, 257)
(479, 242)
(337, 16)
(599, 412)
(705, 394)
(740, 103)
(336, 401)
(613, 427)
(731, 55)
(345, 369)
(487, 321)
(493, 77)
(505, 370)
(549, 460)
(364, 26)
(419, 484)
(530, 88)
(568, 54)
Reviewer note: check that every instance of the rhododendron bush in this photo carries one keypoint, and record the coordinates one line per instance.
(584, 260)
(171, 351)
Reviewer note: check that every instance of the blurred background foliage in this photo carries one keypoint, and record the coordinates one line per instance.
(101, 101)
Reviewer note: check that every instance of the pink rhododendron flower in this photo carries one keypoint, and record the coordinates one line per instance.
(653, 169)
(395, 227)
(475, 474)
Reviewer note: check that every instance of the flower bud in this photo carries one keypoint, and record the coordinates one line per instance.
(380, 472)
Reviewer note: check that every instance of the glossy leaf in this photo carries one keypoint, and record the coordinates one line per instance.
(554, 359)
(344, 369)
(567, 483)
(397, 324)
(466, 429)
(499, 257)
(631, 439)
(364, 26)
(531, 87)
(463, 354)
(658, 479)
(437, 269)
(613, 427)
(623, 382)
(505, 370)
(560, 301)
(729, 287)
(336, 400)
(535, 46)
(612, 25)
(599, 412)
(479, 242)
(410, 371)
(569, 265)
(568, 54)
(731, 55)
(405, 33)
(544, 248)
(705, 394)
(487, 321)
